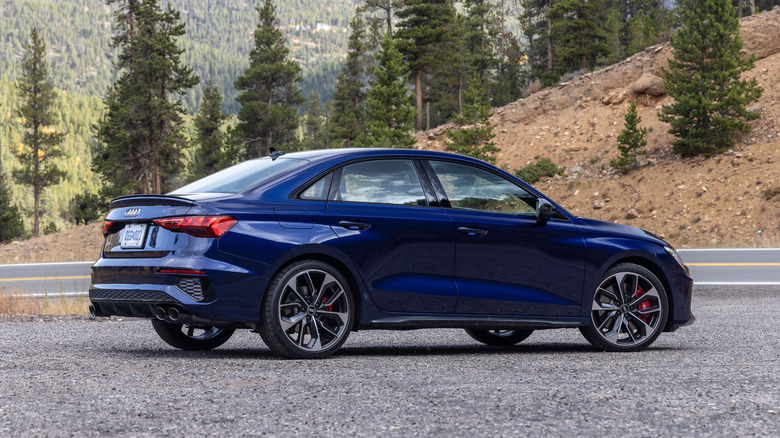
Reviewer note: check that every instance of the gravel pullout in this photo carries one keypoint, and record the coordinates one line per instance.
(720, 377)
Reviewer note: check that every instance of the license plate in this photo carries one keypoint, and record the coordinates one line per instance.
(133, 236)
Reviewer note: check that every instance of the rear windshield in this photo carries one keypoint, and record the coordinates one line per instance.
(242, 176)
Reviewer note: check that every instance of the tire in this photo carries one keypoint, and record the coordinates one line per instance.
(307, 311)
(500, 338)
(628, 310)
(192, 336)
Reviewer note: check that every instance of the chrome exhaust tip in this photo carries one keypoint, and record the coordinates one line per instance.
(173, 314)
(160, 314)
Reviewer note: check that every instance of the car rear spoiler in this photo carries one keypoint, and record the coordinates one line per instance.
(144, 200)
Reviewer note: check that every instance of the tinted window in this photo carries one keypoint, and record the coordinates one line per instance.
(242, 176)
(472, 188)
(318, 190)
(380, 182)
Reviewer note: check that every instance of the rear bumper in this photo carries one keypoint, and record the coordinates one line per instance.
(223, 293)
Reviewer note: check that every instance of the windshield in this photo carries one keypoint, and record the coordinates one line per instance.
(242, 176)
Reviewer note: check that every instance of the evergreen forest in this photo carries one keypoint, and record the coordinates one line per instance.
(340, 66)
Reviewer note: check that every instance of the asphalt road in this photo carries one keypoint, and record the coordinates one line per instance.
(747, 267)
(718, 377)
(709, 267)
(38, 279)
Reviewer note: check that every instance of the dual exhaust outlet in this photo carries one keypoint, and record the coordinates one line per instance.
(172, 314)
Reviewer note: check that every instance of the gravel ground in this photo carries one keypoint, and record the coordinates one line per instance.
(719, 377)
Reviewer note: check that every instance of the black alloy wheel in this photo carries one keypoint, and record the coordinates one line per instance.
(192, 336)
(628, 310)
(307, 311)
(500, 338)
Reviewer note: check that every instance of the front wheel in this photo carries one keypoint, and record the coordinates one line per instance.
(192, 336)
(501, 338)
(628, 311)
(307, 311)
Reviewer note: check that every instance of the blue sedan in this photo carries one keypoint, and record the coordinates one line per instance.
(305, 248)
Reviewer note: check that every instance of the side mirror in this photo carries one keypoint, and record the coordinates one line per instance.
(544, 211)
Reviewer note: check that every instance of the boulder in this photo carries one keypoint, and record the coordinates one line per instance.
(649, 84)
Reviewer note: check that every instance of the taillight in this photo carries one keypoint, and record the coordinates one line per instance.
(198, 226)
(110, 227)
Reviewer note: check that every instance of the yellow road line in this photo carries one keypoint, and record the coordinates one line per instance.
(733, 264)
(44, 278)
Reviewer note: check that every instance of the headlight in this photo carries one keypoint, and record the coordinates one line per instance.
(676, 256)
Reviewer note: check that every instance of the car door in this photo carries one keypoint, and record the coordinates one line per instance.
(403, 247)
(506, 263)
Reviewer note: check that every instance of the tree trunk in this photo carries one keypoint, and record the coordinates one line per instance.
(427, 115)
(460, 91)
(752, 7)
(36, 177)
(549, 45)
(390, 17)
(157, 180)
(418, 92)
(739, 8)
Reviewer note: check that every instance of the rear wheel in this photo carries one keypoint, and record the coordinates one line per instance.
(628, 311)
(192, 336)
(308, 311)
(499, 337)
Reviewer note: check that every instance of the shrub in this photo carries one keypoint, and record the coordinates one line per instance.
(533, 172)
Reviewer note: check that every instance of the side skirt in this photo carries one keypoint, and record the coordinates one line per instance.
(473, 322)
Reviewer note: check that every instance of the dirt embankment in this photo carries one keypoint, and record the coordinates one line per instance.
(78, 244)
(728, 200)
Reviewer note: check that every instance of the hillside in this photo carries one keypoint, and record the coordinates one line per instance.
(728, 200)
(217, 43)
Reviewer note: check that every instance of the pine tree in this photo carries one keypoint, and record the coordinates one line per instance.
(269, 90)
(386, 6)
(389, 115)
(475, 135)
(211, 139)
(349, 99)
(423, 28)
(314, 124)
(579, 35)
(444, 85)
(481, 36)
(630, 141)
(141, 136)
(537, 27)
(10, 216)
(511, 80)
(704, 80)
(41, 139)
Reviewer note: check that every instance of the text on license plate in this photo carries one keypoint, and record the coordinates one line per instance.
(133, 236)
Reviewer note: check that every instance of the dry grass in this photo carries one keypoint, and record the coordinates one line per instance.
(15, 303)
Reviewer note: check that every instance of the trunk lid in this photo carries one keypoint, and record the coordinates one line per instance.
(131, 232)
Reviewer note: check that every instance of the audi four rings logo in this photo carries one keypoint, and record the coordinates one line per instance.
(132, 212)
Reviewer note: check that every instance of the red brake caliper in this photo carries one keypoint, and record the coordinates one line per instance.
(329, 308)
(644, 304)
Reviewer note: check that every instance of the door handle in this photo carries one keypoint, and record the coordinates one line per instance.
(472, 232)
(355, 225)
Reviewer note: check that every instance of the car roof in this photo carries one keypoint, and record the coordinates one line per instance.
(338, 155)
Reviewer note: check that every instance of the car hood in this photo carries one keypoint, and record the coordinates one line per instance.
(619, 230)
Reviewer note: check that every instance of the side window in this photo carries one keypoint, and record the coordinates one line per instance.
(380, 182)
(317, 191)
(472, 188)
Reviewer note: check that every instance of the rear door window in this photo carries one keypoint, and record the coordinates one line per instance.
(393, 182)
